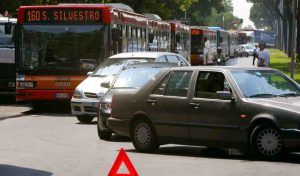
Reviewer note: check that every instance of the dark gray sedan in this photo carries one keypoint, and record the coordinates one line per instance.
(247, 108)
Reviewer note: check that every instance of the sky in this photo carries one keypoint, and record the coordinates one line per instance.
(241, 9)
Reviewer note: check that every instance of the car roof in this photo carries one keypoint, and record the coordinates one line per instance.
(222, 68)
(152, 64)
(142, 54)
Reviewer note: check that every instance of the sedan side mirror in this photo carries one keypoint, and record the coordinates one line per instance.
(105, 84)
(225, 95)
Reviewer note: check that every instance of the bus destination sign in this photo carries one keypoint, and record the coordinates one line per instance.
(62, 15)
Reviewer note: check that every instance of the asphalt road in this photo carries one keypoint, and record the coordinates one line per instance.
(52, 142)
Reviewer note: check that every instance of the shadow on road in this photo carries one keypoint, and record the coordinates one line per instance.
(9, 170)
(215, 153)
(51, 109)
(119, 138)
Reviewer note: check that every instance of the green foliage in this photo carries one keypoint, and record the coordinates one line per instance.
(263, 15)
(280, 61)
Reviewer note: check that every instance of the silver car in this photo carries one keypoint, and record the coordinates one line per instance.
(86, 96)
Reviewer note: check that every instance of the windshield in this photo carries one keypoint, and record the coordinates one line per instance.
(265, 83)
(197, 44)
(113, 65)
(134, 78)
(61, 47)
(6, 40)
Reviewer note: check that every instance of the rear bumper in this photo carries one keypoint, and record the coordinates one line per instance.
(291, 138)
(84, 106)
(120, 126)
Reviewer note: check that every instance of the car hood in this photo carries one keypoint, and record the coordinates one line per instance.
(288, 103)
(93, 84)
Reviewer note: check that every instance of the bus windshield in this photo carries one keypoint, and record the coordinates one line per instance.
(197, 44)
(61, 47)
(6, 40)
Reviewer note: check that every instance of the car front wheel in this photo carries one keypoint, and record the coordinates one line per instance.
(85, 118)
(103, 134)
(143, 136)
(266, 141)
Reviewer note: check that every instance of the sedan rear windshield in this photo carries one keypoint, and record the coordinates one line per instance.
(135, 77)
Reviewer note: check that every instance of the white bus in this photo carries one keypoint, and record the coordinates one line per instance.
(7, 56)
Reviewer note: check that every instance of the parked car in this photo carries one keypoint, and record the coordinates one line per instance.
(130, 79)
(86, 96)
(257, 109)
(245, 50)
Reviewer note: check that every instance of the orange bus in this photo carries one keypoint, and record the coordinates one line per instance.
(58, 44)
(204, 43)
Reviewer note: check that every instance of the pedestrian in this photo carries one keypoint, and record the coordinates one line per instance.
(255, 53)
(264, 55)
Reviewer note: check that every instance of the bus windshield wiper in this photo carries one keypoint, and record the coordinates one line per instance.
(263, 95)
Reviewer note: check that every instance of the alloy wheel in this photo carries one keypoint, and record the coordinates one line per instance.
(269, 142)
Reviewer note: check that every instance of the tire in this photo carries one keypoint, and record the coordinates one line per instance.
(266, 142)
(85, 118)
(143, 136)
(103, 134)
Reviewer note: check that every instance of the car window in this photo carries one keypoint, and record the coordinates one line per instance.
(162, 59)
(110, 67)
(113, 65)
(182, 61)
(208, 83)
(178, 83)
(160, 89)
(172, 58)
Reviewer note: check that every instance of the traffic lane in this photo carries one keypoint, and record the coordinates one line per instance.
(58, 144)
(242, 62)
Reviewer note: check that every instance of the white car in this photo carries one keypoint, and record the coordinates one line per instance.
(86, 96)
(246, 50)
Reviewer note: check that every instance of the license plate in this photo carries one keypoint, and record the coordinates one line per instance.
(61, 95)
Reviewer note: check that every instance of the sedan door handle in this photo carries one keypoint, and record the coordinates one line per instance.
(152, 101)
(195, 105)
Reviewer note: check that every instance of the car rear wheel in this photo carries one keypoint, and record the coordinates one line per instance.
(103, 134)
(85, 118)
(266, 141)
(143, 136)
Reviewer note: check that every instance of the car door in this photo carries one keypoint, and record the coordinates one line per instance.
(213, 121)
(167, 105)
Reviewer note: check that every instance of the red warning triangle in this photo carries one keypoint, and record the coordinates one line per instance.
(122, 157)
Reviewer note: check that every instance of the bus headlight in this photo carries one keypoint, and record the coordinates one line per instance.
(26, 84)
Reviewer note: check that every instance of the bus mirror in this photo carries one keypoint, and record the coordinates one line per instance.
(116, 34)
(150, 38)
(8, 27)
(177, 38)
